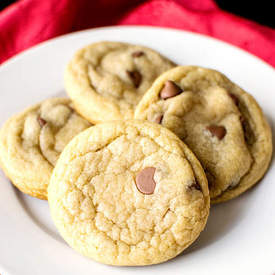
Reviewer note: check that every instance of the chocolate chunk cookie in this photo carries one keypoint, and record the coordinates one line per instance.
(128, 193)
(222, 124)
(31, 141)
(106, 80)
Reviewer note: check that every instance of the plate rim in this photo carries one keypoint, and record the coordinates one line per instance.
(60, 37)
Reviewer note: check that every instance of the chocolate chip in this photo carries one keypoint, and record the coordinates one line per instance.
(135, 77)
(234, 98)
(41, 121)
(137, 54)
(170, 89)
(217, 131)
(193, 186)
(158, 119)
(145, 181)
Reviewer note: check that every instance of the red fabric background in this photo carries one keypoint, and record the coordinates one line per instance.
(28, 22)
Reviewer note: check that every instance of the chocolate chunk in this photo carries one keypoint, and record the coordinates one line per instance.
(193, 186)
(234, 98)
(158, 119)
(41, 121)
(170, 89)
(137, 54)
(217, 131)
(135, 77)
(145, 181)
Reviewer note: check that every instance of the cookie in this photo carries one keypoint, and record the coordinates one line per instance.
(31, 141)
(106, 80)
(222, 124)
(128, 193)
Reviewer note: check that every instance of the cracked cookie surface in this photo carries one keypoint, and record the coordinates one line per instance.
(31, 142)
(222, 125)
(128, 193)
(106, 80)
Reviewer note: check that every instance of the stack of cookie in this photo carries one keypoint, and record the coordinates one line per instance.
(135, 188)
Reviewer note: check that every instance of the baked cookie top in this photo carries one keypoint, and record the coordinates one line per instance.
(31, 141)
(128, 193)
(106, 80)
(222, 125)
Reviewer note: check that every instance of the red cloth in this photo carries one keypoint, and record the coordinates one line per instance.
(28, 22)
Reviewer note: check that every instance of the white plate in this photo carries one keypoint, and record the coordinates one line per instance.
(240, 235)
